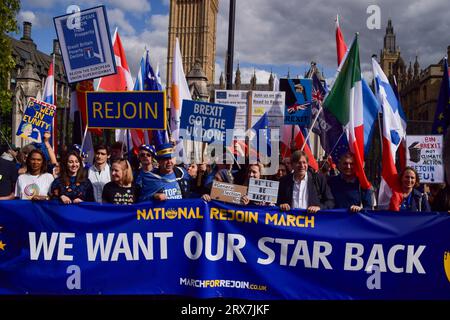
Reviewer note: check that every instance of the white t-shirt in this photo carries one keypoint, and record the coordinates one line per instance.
(98, 180)
(28, 186)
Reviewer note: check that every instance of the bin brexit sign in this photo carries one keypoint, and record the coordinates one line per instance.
(85, 44)
(424, 154)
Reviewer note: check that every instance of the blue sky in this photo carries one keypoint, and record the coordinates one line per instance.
(270, 34)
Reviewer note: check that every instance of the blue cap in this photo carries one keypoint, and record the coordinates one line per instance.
(164, 151)
(148, 148)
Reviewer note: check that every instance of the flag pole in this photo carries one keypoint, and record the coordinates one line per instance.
(310, 129)
(84, 138)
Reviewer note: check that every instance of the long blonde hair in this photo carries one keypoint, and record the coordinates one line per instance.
(127, 178)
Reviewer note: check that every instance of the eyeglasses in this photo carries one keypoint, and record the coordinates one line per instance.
(145, 154)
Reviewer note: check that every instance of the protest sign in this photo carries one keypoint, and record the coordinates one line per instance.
(37, 119)
(85, 44)
(263, 190)
(206, 122)
(270, 102)
(127, 110)
(227, 192)
(298, 101)
(424, 154)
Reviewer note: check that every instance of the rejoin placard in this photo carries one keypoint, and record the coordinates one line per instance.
(128, 110)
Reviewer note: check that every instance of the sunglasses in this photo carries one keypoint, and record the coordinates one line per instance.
(145, 154)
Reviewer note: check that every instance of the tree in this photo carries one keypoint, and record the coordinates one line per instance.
(8, 23)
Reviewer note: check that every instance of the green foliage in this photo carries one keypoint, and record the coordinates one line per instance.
(8, 23)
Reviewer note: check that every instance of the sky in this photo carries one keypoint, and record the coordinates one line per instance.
(270, 35)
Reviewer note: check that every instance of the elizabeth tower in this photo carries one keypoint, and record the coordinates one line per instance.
(194, 23)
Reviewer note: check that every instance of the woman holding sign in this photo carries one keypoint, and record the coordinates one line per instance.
(72, 186)
(413, 199)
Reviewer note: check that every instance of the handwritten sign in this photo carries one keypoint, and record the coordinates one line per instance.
(227, 192)
(424, 154)
(263, 190)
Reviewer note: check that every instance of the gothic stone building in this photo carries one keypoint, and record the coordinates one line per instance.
(28, 78)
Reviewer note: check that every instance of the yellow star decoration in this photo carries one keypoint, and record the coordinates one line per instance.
(2, 245)
(441, 116)
(440, 130)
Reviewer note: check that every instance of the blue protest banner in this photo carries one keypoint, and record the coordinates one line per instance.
(197, 249)
(85, 44)
(36, 120)
(206, 122)
(298, 101)
(127, 110)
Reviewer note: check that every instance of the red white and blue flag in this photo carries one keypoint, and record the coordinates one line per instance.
(394, 131)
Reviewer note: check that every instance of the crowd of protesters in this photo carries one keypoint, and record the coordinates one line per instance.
(149, 173)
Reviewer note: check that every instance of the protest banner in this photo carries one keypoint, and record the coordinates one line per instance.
(263, 190)
(425, 155)
(298, 101)
(199, 249)
(227, 192)
(127, 110)
(85, 44)
(36, 120)
(207, 122)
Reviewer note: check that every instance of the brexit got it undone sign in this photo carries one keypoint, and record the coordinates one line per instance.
(206, 122)
(37, 119)
(85, 44)
(127, 110)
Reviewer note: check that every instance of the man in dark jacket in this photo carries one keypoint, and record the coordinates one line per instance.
(346, 188)
(304, 189)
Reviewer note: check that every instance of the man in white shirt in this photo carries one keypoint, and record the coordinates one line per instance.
(303, 188)
(100, 173)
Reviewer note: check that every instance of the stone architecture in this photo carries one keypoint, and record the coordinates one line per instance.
(198, 83)
(193, 22)
(28, 78)
(418, 88)
(390, 53)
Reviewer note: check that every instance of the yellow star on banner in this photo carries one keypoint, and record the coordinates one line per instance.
(440, 129)
(441, 116)
(2, 245)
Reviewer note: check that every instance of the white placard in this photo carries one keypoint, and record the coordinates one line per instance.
(424, 154)
(263, 190)
(237, 98)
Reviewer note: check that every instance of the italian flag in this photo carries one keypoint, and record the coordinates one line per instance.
(345, 102)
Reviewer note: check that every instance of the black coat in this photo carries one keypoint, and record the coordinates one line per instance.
(319, 193)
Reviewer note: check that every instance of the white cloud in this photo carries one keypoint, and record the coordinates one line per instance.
(28, 16)
(155, 40)
(116, 18)
(262, 76)
(137, 6)
(292, 33)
